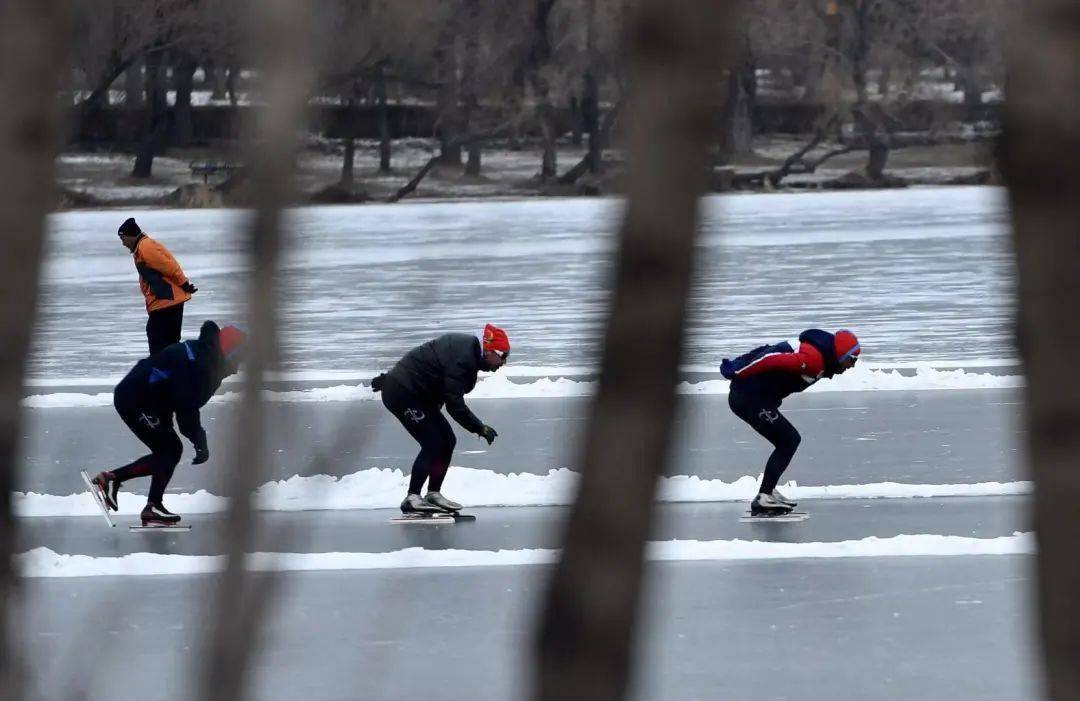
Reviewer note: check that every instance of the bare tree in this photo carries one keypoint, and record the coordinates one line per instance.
(33, 42)
(677, 50)
(279, 50)
(1043, 175)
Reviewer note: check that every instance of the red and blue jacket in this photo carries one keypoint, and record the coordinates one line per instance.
(772, 372)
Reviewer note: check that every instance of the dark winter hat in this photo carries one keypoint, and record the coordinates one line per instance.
(495, 339)
(129, 227)
(846, 345)
(232, 341)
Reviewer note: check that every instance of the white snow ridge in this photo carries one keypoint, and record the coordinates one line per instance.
(380, 488)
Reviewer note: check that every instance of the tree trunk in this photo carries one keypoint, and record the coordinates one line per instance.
(449, 119)
(347, 166)
(216, 75)
(590, 114)
(134, 85)
(737, 116)
(577, 128)
(155, 117)
(384, 120)
(468, 82)
(1042, 118)
(183, 81)
(588, 624)
(242, 599)
(34, 39)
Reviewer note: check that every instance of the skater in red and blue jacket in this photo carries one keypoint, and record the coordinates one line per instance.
(762, 378)
(178, 380)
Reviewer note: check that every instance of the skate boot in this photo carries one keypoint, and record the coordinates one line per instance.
(414, 504)
(767, 505)
(109, 489)
(158, 515)
(437, 499)
(783, 499)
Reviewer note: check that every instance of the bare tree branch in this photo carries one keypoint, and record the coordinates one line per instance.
(677, 49)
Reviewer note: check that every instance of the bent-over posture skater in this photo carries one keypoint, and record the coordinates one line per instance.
(177, 380)
(441, 371)
(762, 378)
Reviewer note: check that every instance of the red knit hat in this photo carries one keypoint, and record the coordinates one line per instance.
(231, 340)
(846, 345)
(495, 339)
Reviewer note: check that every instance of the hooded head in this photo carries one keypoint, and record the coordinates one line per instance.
(496, 346)
(847, 348)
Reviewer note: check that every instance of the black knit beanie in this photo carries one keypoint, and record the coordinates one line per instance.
(130, 228)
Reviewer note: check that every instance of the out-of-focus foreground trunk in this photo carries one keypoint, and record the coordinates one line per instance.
(1043, 175)
(278, 38)
(677, 51)
(32, 58)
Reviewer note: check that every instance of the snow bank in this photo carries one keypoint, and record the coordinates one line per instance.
(379, 488)
(502, 387)
(43, 562)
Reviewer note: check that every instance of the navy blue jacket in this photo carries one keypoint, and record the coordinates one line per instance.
(179, 378)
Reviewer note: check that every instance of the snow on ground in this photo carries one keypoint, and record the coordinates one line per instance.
(380, 488)
(43, 562)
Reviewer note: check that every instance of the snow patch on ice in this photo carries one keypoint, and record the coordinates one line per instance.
(43, 562)
(381, 488)
(501, 387)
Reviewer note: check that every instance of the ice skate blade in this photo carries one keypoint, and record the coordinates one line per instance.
(97, 498)
(789, 517)
(434, 518)
(160, 528)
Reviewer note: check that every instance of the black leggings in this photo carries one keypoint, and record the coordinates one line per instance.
(163, 327)
(154, 428)
(426, 424)
(770, 423)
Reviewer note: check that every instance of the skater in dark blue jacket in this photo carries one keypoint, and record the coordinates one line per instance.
(177, 380)
(762, 378)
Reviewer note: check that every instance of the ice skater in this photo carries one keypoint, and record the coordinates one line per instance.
(163, 283)
(441, 371)
(762, 378)
(177, 380)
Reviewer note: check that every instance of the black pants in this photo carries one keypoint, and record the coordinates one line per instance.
(426, 424)
(154, 428)
(770, 423)
(163, 327)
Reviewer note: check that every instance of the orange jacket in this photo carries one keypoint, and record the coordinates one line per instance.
(160, 276)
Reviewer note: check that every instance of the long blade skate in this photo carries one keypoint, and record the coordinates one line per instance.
(97, 498)
(786, 517)
(433, 518)
(162, 527)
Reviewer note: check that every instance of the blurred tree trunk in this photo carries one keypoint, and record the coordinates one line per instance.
(586, 636)
(278, 32)
(33, 44)
(590, 98)
(1042, 136)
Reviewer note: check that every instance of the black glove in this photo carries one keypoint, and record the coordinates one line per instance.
(202, 451)
(189, 288)
(488, 434)
(377, 382)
